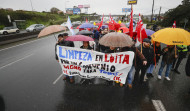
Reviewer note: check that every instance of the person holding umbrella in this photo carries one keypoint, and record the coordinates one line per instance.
(182, 51)
(60, 38)
(69, 44)
(168, 58)
(157, 52)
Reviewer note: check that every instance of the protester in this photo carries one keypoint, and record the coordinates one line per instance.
(168, 58)
(182, 52)
(156, 59)
(69, 44)
(110, 50)
(138, 55)
(86, 46)
(148, 53)
(60, 38)
(187, 68)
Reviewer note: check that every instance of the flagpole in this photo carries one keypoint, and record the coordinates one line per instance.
(141, 41)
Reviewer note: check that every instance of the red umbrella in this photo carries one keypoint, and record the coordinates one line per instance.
(79, 38)
(123, 25)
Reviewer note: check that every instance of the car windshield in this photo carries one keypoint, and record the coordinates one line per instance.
(33, 25)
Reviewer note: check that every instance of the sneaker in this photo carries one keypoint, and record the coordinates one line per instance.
(65, 78)
(71, 80)
(121, 85)
(129, 86)
(159, 77)
(175, 70)
(167, 78)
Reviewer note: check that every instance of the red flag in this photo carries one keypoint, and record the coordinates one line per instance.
(174, 24)
(141, 33)
(113, 25)
(131, 23)
(86, 20)
(101, 23)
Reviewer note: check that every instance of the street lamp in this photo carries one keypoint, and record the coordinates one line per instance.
(31, 5)
(66, 9)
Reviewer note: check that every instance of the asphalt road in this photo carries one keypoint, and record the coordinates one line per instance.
(30, 81)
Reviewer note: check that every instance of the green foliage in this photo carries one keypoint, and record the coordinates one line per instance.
(177, 14)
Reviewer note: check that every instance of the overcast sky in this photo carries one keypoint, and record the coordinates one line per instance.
(98, 6)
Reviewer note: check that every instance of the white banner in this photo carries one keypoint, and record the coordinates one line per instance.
(92, 64)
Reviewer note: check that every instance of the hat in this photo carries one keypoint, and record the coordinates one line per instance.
(146, 40)
(60, 35)
(65, 34)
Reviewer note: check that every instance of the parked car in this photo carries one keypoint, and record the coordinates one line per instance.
(35, 27)
(7, 30)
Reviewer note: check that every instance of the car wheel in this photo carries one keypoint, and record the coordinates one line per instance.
(34, 30)
(17, 31)
(5, 33)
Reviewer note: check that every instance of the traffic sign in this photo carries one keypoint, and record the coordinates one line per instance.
(130, 2)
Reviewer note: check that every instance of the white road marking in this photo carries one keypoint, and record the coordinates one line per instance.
(20, 44)
(15, 61)
(158, 105)
(58, 79)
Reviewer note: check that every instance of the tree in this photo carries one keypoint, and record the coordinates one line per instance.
(54, 10)
(178, 14)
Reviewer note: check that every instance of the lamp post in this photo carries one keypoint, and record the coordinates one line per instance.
(31, 5)
(66, 8)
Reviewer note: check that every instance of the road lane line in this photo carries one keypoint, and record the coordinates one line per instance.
(58, 79)
(158, 105)
(20, 44)
(15, 61)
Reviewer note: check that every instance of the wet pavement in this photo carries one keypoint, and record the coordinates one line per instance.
(27, 83)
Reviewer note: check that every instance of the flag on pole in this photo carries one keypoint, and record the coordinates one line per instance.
(131, 23)
(101, 23)
(69, 25)
(141, 32)
(86, 20)
(174, 24)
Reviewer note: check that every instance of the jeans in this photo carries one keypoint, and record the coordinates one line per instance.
(130, 74)
(69, 76)
(150, 69)
(168, 69)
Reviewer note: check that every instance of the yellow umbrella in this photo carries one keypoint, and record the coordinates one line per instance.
(94, 23)
(172, 36)
(119, 22)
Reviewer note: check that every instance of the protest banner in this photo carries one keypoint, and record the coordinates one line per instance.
(92, 64)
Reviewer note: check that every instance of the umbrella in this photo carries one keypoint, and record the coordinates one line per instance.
(149, 32)
(172, 36)
(116, 39)
(79, 38)
(104, 26)
(51, 29)
(125, 29)
(84, 32)
(87, 25)
(123, 25)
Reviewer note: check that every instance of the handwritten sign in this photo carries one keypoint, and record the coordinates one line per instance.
(91, 64)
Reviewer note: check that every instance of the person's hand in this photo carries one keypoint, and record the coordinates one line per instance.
(166, 49)
(176, 56)
(158, 54)
(145, 63)
(57, 60)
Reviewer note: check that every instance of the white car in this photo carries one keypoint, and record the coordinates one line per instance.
(7, 30)
(35, 27)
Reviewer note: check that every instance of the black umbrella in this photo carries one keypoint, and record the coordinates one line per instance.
(84, 32)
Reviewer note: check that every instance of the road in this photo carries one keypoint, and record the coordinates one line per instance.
(30, 81)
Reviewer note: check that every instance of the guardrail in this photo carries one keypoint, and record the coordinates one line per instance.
(17, 37)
